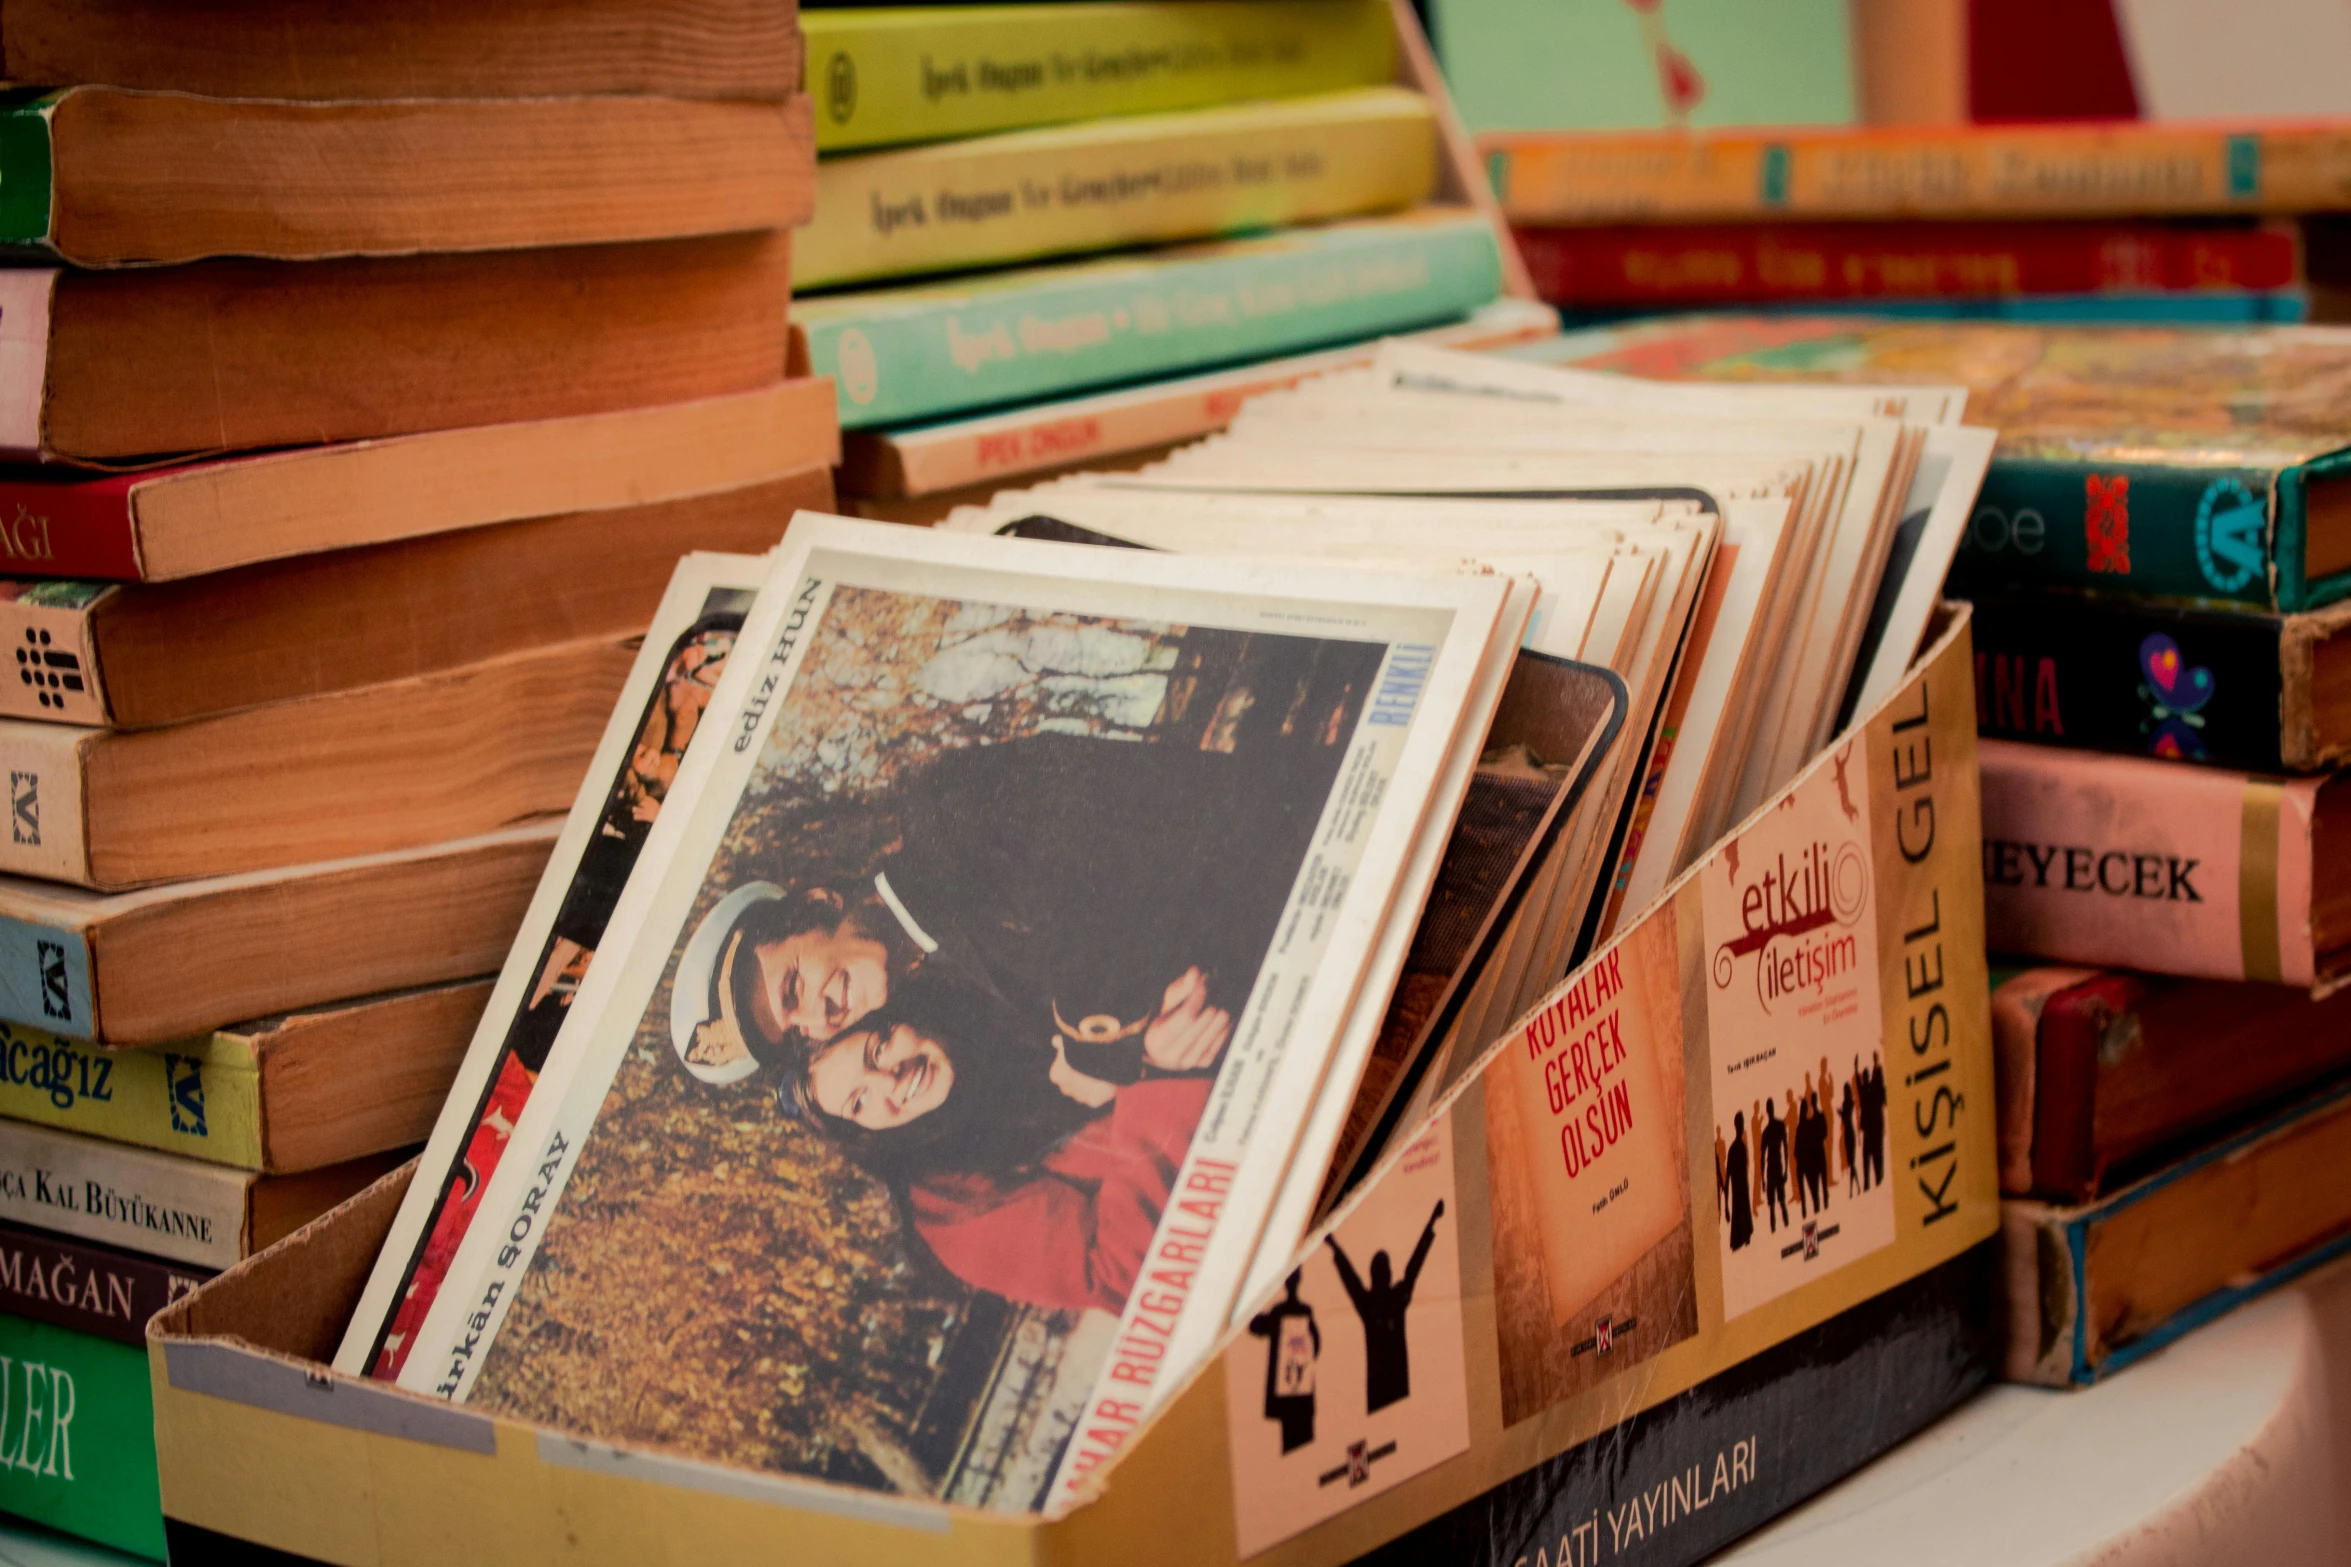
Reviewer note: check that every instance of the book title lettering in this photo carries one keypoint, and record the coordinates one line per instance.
(1935, 1107)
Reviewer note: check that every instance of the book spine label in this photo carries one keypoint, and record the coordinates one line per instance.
(2146, 865)
(25, 169)
(1745, 263)
(2139, 679)
(90, 1289)
(24, 357)
(2138, 169)
(172, 1208)
(45, 833)
(884, 77)
(45, 978)
(993, 448)
(77, 1436)
(56, 653)
(84, 528)
(2157, 530)
(191, 1100)
(1121, 182)
(1081, 330)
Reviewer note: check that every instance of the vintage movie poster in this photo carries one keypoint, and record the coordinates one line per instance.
(676, 675)
(1352, 1380)
(1793, 1015)
(1586, 1127)
(1009, 909)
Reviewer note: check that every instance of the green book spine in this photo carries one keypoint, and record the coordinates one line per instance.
(77, 1436)
(24, 168)
(922, 353)
(2157, 530)
(887, 75)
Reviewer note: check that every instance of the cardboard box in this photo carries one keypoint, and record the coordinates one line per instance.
(1570, 1319)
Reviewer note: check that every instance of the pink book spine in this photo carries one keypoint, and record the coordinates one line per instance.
(2146, 864)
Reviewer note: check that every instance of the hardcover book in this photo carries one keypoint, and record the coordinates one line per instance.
(2142, 862)
(889, 74)
(900, 355)
(102, 177)
(1129, 180)
(183, 520)
(2089, 169)
(2102, 1073)
(2096, 1286)
(165, 963)
(137, 655)
(278, 1095)
(2105, 672)
(148, 363)
(343, 773)
(1689, 265)
(2161, 463)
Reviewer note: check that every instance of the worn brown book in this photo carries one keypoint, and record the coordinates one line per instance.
(133, 178)
(2103, 1073)
(134, 655)
(300, 49)
(182, 520)
(221, 355)
(163, 963)
(298, 1091)
(2094, 1287)
(391, 766)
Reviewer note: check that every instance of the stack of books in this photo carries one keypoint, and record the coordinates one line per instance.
(2126, 223)
(2160, 565)
(1062, 912)
(366, 370)
(1280, 176)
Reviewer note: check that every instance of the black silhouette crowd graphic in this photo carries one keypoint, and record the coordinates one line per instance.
(1294, 1339)
(1767, 1153)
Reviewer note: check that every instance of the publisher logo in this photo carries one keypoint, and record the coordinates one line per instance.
(56, 999)
(840, 88)
(24, 807)
(185, 1077)
(2229, 528)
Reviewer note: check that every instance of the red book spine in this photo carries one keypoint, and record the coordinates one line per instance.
(1734, 263)
(88, 1288)
(78, 527)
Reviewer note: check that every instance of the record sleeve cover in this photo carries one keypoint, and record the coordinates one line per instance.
(1007, 917)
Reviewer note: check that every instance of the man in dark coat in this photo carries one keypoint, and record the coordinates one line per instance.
(1731, 1187)
(1109, 894)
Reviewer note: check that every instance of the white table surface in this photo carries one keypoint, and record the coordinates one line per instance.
(2232, 1445)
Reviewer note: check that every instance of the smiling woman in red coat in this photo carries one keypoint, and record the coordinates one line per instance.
(1022, 1176)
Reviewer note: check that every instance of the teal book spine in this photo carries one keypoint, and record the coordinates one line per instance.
(2226, 537)
(77, 1436)
(900, 356)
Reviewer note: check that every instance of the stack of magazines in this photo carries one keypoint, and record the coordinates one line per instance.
(1058, 914)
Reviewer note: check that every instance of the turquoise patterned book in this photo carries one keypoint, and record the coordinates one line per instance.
(901, 355)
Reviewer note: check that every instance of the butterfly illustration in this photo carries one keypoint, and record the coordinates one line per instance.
(2175, 698)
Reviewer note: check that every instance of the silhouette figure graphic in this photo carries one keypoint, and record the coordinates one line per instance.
(1293, 1344)
(1872, 1089)
(1731, 1184)
(1845, 1122)
(1772, 1144)
(1387, 1355)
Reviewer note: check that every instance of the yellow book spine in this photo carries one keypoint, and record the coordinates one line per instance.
(1143, 179)
(887, 76)
(201, 1098)
(2044, 171)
